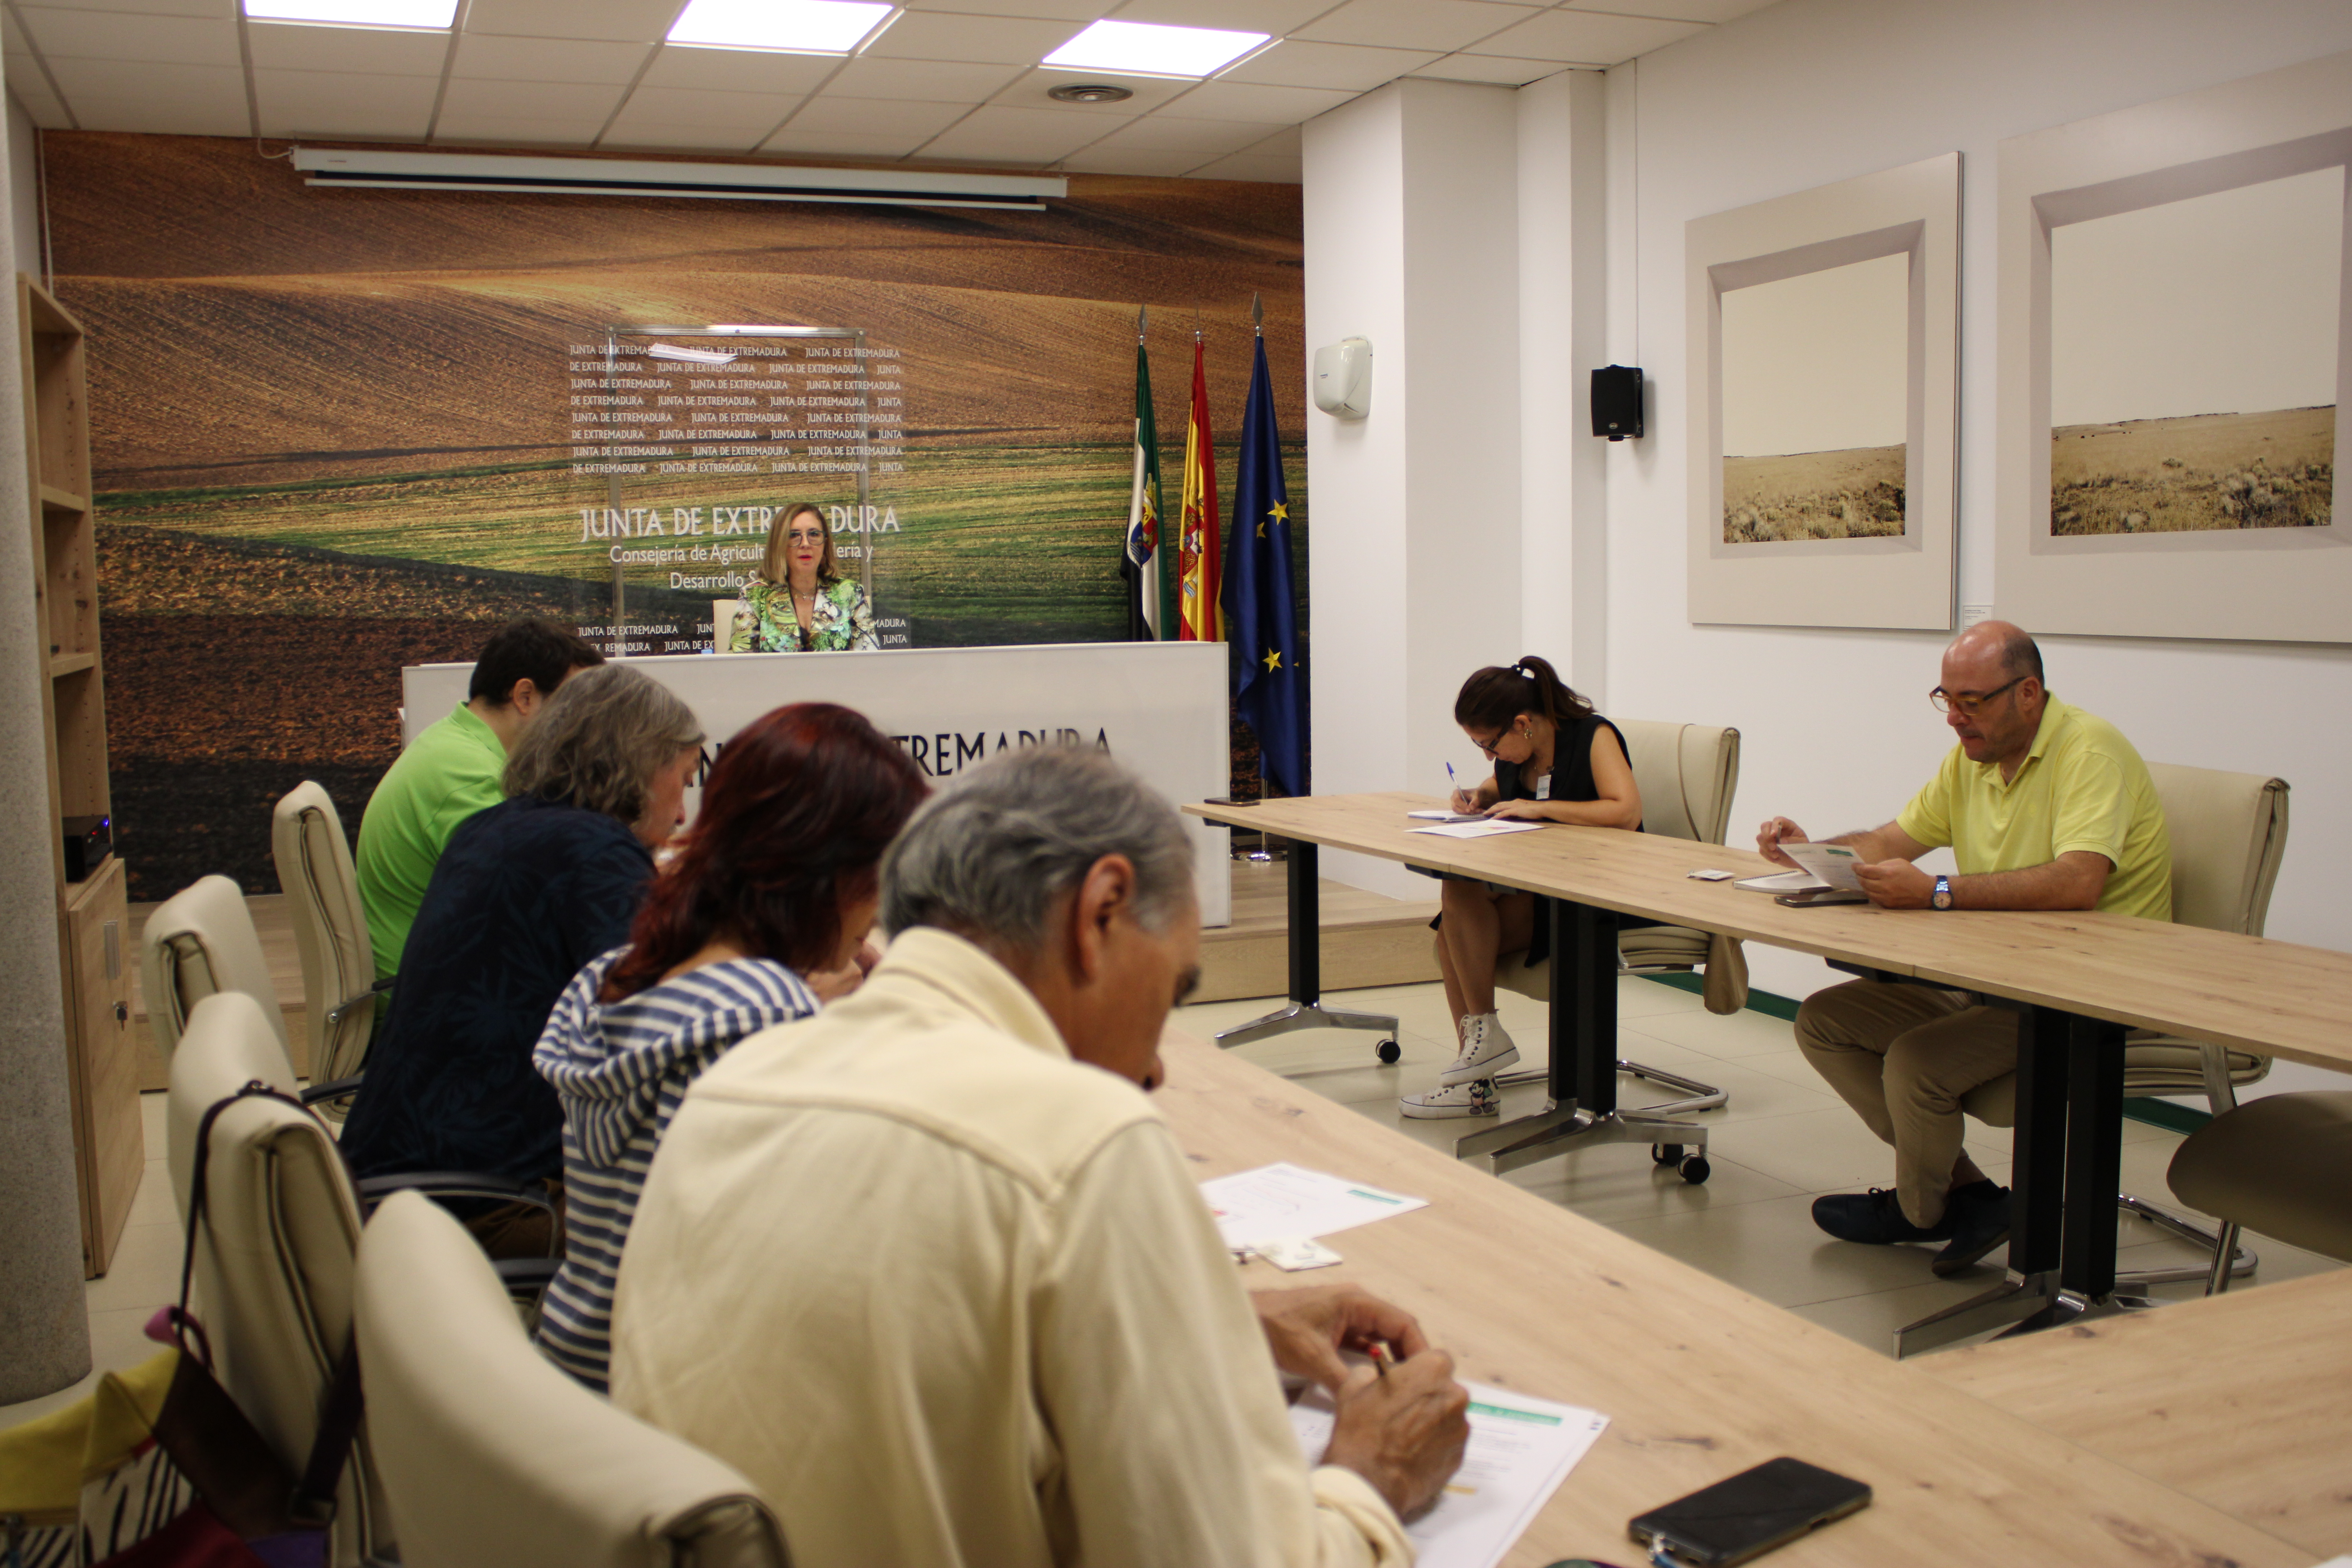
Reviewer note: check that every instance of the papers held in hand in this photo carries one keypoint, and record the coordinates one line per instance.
(1826, 877)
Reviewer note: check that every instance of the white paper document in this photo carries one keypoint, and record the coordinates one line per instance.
(1521, 1450)
(1829, 863)
(1446, 815)
(1484, 828)
(1276, 1202)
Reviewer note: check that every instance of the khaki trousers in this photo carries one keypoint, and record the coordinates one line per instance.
(1903, 1056)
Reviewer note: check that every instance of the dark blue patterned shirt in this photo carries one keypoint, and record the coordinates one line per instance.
(526, 894)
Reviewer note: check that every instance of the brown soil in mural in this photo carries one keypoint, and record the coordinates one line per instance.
(2205, 472)
(158, 572)
(1856, 493)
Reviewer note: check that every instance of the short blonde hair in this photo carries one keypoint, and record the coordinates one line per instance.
(599, 741)
(776, 566)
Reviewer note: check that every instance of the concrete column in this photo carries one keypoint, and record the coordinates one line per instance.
(1411, 206)
(44, 1325)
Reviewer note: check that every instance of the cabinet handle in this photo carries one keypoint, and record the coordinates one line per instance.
(122, 1012)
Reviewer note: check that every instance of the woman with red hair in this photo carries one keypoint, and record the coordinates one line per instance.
(762, 916)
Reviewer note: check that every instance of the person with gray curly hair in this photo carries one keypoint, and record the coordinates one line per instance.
(949, 1249)
(525, 894)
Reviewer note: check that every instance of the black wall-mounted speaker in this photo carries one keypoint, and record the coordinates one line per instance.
(1617, 402)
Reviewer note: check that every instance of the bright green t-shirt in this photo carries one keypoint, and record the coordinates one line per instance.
(447, 773)
(2082, 787)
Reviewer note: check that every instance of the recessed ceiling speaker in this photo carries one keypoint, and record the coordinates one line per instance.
(1617, 402)
(1089, 93)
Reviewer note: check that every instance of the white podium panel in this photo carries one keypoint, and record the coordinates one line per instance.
(1160, 708)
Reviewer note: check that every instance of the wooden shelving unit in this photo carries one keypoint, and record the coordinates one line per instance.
(93, 927)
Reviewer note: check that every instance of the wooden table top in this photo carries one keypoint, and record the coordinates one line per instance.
(2238, 1399)
(2274, 998)
(1699, 1379)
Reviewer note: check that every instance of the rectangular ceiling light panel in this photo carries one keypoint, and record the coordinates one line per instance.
(796, 26)
(1148, 48)
(414, 14)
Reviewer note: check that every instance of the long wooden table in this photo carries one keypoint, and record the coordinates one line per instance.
(1699, 1379)
(2079, 979)
(2237, 1399)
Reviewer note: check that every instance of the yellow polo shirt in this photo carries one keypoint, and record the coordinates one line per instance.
(2082, 787)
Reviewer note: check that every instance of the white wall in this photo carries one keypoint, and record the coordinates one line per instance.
(24, 191)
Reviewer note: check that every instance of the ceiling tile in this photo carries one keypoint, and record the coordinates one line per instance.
(46, 111)
(1351, 66)
(370, 51)
(1587, 37)
(1203, 139)
(752, 113)
(1491, 68)
(738, 71)
(1247, 101)
(147, 79)
(843, 143)
(1276, 16)
(1032, 90)
(529, 101)
(111, 35)
(1679, 10)
(547, 60)
(1065, 10)
(1131, 161)
(950, 35)
(1019, 135)
(876, 117)
(1286, 143)
(212, 10)
(1414, 24)
(1252, 166)
(12, 34)
(463, 129)
(343, 103)
(164, 115)
(930, 81)
(629, 21)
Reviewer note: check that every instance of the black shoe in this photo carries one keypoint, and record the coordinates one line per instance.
(1876, 1216)
(1976, 1219)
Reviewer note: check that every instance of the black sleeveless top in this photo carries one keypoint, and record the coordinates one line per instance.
(1572, 780)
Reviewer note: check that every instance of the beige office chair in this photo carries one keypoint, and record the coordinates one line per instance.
(273, 1258)
(722, 623)
(493, 1458)
(314, 869)
(197, 941)
(2282, 1164)
(2229, 832)
(1687, 774)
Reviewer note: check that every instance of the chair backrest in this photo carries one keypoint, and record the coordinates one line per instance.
(2229, 834)
(275, 1253)
(197, 941)
(314, 867)
(1687, 774)
(722, 622)
(492, 1458)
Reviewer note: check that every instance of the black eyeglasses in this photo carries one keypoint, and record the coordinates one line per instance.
(1968, 703)
(1488, 746)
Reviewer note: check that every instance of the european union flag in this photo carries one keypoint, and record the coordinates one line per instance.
(1262, 616)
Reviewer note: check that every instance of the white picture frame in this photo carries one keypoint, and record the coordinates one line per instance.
(2267, 584)
(1904, 581)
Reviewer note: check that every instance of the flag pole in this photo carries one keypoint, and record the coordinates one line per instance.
(1257, 314)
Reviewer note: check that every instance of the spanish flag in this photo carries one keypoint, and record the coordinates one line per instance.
(1198, 619)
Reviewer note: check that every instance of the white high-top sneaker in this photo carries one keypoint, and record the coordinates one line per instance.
(1486, 1050)
(1476, 1097)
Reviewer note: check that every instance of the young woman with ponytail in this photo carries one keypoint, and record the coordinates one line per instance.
(761, 917)
(1555, 760)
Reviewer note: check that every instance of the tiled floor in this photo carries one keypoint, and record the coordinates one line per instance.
(1782, 1139)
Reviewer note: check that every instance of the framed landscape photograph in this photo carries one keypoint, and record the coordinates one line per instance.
(2173, 368)
(1822, 395)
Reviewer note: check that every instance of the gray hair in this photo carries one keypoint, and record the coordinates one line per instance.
(989, 855)
(599, 741)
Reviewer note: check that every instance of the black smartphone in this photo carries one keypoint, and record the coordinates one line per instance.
(1749, 1514)
(1813, 898)
(1226, 800)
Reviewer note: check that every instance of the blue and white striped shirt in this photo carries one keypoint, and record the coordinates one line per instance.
(621, 1071)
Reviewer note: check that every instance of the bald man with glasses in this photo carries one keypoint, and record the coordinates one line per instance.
(2045, 807)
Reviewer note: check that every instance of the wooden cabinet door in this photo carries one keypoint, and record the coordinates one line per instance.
(109, 1142)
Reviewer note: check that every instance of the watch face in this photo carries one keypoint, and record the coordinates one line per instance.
(1943, 899)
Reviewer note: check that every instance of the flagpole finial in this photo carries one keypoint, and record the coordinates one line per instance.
(1142, 322)
(1257, 313)
(1196, 321)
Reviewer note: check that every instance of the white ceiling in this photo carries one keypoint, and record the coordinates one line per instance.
(948, 81)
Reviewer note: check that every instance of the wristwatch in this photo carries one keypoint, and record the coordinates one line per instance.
(1943, 896)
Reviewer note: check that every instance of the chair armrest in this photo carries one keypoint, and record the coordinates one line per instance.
(333, 1089)
(439, 1184)
(364, 999)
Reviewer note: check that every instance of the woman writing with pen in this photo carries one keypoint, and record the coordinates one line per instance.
(1555, 760)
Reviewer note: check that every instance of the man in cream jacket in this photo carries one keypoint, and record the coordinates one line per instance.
(930, 1270)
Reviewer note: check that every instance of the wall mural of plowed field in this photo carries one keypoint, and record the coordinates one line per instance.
(332, 431)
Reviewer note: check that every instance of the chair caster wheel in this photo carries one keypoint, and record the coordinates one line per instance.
(1388, 1051)
(1695, 1170)
(1665, 1154)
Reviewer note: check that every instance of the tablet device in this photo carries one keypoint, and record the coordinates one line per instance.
(1742, 1518)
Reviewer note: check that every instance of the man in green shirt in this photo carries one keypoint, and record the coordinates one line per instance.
(2045, 807)
(450, 772)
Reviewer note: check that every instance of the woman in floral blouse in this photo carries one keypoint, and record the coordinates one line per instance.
(798, 602)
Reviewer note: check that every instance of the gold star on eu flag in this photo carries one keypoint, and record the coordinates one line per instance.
(1279, 512)
(1272, 659)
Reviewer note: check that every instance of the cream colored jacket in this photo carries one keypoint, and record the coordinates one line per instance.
(948, 1297)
